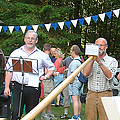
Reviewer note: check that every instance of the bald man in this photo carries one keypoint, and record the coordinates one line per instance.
(100, 73)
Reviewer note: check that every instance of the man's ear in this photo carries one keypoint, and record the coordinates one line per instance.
(106, 46)
(24, 39)
(36, 40)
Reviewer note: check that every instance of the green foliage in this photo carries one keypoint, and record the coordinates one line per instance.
(51, 17)
(12, 43)
(18, 13)
(31, 12)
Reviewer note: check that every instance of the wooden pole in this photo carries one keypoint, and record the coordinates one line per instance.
(46, 101)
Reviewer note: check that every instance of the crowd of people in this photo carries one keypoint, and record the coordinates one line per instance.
(53, 69)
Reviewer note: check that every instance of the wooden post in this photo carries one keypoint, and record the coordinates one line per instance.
(46, 101)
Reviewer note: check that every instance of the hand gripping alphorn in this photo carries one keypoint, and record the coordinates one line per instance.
(46, 101)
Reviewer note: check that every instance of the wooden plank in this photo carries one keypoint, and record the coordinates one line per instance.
(46, 101)
(110, 108)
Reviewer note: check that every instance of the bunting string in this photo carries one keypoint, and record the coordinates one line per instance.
(61, 24)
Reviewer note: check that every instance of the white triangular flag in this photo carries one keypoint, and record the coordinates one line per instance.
(74, 22)
(0, 28)
(11, 28)
(116, 12)
(48, 26)
(35, 27)
(23, 28)
(61, 24)
(88, 19)
(102, 16)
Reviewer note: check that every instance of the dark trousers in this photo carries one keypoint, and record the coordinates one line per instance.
(30, 97)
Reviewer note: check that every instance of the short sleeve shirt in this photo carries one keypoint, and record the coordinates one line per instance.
(73, 66)
(66, 63)
(42, 58)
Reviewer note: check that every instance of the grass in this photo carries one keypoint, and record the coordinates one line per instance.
(58, 111)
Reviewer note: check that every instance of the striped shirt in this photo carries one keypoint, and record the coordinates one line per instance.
(97, 81)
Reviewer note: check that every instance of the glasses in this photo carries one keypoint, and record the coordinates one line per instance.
(28, 38)
(101, 45)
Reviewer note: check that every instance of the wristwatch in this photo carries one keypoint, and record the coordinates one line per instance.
(101, 64)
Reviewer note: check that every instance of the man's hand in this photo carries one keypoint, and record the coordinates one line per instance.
(55, 74)
(94, 57)
(63, 56)
(7, 92)
(98, 60)
(43, 78)
(118, 76)
(71, 82)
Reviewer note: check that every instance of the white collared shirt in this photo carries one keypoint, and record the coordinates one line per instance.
(36, 55)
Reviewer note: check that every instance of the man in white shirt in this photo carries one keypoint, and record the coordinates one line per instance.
(30, 94)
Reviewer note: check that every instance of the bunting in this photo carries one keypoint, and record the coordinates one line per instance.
(88, 19)
(81, 21)
(35, 27)
(61, 24)
(74, 22)
(0, 28)
(102, 16)
(23, 28)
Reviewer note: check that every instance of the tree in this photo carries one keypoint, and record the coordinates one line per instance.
(29, 12)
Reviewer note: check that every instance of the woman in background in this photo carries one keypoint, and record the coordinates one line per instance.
(58, 72)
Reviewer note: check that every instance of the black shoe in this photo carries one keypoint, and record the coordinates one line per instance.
(64, 117)
(57, 105)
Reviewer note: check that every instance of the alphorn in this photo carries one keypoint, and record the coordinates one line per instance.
(46, 101)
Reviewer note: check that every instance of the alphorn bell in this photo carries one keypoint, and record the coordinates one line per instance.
(46, 101)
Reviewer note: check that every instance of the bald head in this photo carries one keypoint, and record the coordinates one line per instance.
(102, 39)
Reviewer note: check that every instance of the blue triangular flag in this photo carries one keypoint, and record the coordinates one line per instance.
(109, 14)
(42, 25)
(81, 21)
(5, 28)
(29, 27)
(95, 17)
(17, 28)
(54, 26)
(68, 23)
